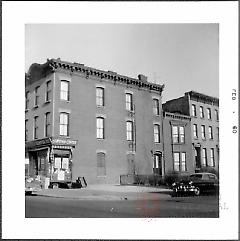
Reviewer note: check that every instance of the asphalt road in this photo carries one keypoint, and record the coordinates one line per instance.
(50, 207)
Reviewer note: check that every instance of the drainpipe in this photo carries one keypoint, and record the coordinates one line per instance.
(53, 114)
(163, 153)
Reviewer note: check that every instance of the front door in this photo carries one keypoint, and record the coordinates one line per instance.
(197, 158)
(157, 164)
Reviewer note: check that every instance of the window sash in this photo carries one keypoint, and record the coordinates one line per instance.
(209, 114)
(195, 132)
(203, 132)
(183, 161)
(36, 127)
(204, 156)
(211, 163)
(201, 112)
(64, 93)
(27, 100)
(129, 127)
(156, 107)
(176, 161)
(100, 128)
(194, 110)
(157, 133)
(100, 96)
(36, 96)
(64, 124)
(129, 104)
(48, 91)
(210, 132)
(101, 164)
(216, 114)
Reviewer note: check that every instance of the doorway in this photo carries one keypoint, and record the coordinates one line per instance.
(157, 164)
(197, 152)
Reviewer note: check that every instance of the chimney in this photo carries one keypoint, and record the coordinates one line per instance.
(142, 77)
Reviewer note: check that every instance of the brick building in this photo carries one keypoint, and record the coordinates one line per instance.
(80, 121)
(204, 113)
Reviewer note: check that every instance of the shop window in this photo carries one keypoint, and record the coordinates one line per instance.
(101, 164)
(61, 163)
(100, 96)
(100, 127)
(65, 94)
(129, 102)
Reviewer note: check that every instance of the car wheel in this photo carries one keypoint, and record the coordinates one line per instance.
(196, 191)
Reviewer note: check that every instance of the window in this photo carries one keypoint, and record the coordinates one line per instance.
(203, 132)
(156, 109)
(210, 132)
(26, 130)
(100, 127)
(61, 163)
(129, 102)
(27, 100)
(195, 132)
(129, 126)
(194, 113)
(176, 156)
(36, 96)
(216, 114)
(47, 124)
(35, 133)
(64, 95)
(48, 91)
(101, 164)
(183, 162)
(64, 124)
(209, 114)
(201, 112)
(157, 133)
(100, 96)
(204, 157)
(217, 133)
(178, 134)
(211, 163)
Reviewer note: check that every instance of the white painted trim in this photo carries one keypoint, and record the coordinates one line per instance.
(63, 76)
(101, 115)
(103, 151)
(100, 86)
(60, 110)
(128, 92)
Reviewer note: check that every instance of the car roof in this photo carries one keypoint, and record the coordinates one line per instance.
(203, 173)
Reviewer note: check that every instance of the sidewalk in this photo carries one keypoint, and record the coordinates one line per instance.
(109, 192)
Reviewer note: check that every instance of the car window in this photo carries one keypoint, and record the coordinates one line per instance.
(212, 177)
(196, 176)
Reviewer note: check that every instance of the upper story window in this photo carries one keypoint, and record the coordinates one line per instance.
(209, 116)
(48, 90)
(203, 132)
(26, 130)
(210, 132)
(36, 103)
(156, 109)
(217, 133)
(195, 131)
(129, 102)
(27, 100)
(100, 127)
(36, 127)
(211, 161)
(157, 133)
(201, 112)
(216, 114)
(64, 95)
(64, 124)
(183, 162)
(129, 127)
(178, 134)
(204, 157)
(100, 96)
(47, 124)
(101, 164)
(194, 111)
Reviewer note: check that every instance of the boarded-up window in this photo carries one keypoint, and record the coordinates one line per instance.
(101, 164)
(131, 164)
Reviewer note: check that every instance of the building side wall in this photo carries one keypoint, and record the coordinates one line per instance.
(179, 105)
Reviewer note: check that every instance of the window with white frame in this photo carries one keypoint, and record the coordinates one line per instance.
(203, 133)
(129, 127)
(100, 128)
(183, 162)
(129, 102)
(210, 132)
(156, 133)
(101, 164)
(48, 90)
(204, 157)
(47, 124)
(201, 112)
(194, 112)
(209, 116)
(195, 131)
(178, 135)
(156, 108)
(64, 124)
(100, 96)
(64, 93)
(211, 160)
(36, 103)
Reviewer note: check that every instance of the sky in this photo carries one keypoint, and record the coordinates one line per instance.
(183, 57)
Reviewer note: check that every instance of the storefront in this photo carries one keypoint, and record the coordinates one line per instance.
(50, 158)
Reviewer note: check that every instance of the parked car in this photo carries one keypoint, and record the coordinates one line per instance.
(32, 185)
(196, 184)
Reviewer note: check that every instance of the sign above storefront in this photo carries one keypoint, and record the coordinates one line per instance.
(61, 141)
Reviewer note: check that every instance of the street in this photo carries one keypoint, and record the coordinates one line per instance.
(51, 207)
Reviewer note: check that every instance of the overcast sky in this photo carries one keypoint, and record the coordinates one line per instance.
(184, 57)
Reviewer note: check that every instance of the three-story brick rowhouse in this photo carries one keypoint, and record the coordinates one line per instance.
(81, 121)
(204, 113)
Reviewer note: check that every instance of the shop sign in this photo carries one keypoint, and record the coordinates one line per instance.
(36, 143)
(62, 147)
(58, 141)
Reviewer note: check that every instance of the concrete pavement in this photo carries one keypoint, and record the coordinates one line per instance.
(109, 192)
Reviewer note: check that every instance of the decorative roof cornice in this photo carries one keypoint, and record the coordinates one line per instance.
(88, 71)
(176, 116)
(202, 97)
